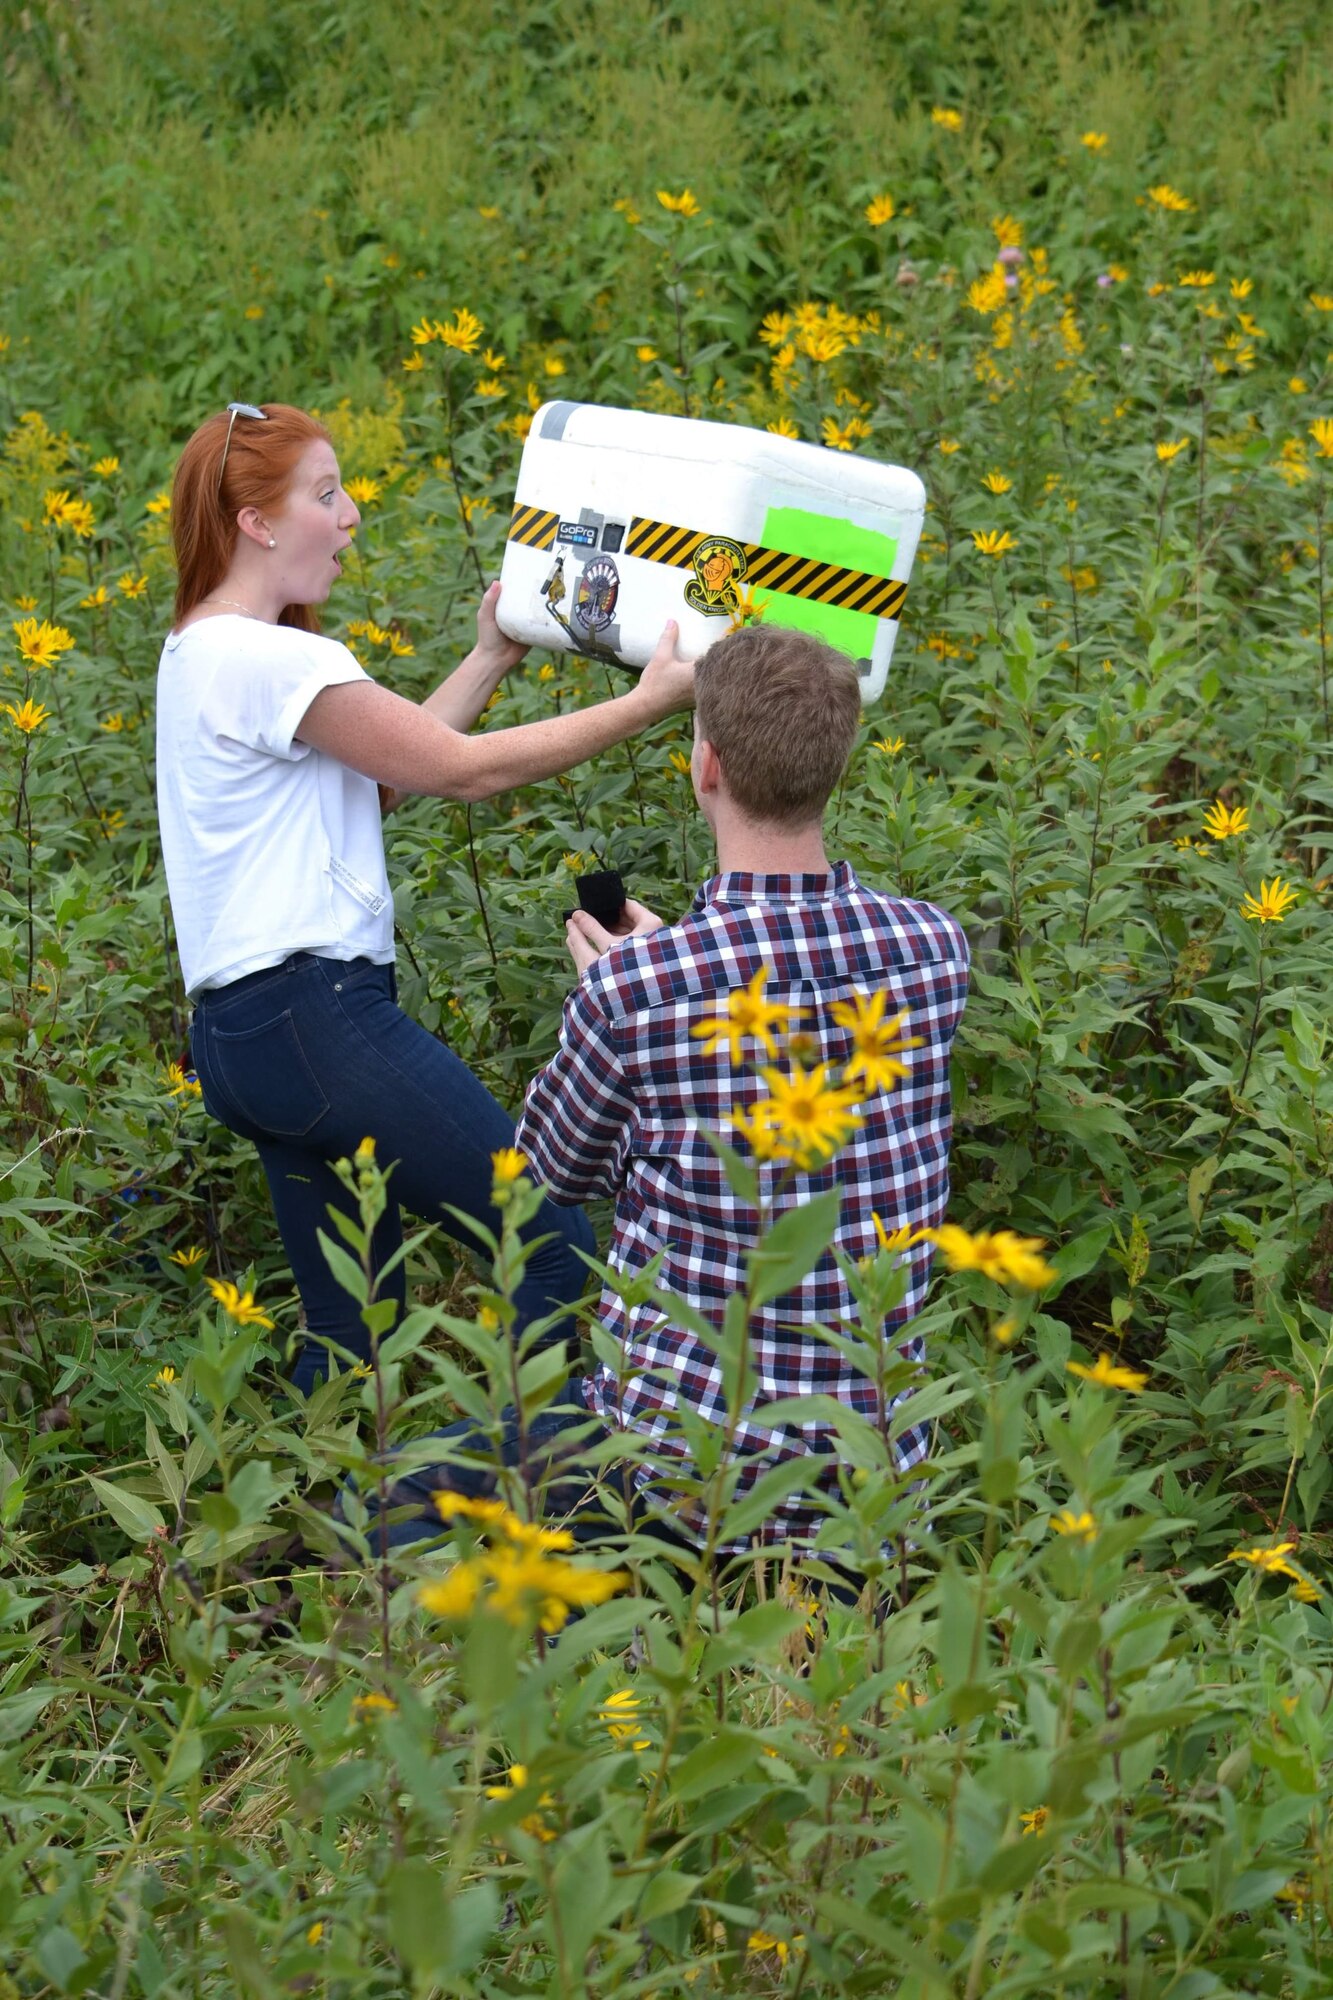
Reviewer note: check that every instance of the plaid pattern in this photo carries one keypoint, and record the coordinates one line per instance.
(619, 1108)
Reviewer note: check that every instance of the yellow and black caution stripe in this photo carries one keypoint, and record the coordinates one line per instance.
(772, 569)
(534, 527)
(764, 569)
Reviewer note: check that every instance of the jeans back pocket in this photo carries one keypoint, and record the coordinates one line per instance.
(267, 1077)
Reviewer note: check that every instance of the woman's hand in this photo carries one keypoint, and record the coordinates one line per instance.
(494, 651)
(586, 939)
(669, 676)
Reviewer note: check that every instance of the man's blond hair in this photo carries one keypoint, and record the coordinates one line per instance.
(781, 710)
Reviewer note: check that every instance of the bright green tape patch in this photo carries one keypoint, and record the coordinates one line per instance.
(823, 539)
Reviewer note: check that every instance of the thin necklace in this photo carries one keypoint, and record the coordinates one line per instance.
(235, 604)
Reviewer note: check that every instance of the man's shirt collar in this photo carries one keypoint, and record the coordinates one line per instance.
(738, 886)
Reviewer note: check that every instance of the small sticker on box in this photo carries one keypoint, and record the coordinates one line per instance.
(581, 533)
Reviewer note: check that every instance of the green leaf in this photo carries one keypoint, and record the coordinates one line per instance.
(757, 1633)
(667, 1890)
(793, 1246)
(713, 1764)
(139, 1518)
(345, 1269)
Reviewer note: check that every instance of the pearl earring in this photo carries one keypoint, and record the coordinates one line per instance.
(272, 544)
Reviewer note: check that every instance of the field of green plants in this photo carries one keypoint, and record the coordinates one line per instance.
(1072, 263)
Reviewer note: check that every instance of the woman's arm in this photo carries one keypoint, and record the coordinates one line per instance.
(461, 697)
(410, 748)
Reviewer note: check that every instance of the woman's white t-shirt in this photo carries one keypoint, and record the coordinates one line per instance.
(270, 847)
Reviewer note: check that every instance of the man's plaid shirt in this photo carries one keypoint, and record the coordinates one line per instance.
(618, 1111)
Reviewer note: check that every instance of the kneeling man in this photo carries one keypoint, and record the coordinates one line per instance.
(785, 962)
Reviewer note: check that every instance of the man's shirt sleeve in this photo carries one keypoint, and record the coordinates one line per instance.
(578, 1114)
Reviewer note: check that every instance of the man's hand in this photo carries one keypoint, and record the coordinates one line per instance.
(586, 939)
(669, 676)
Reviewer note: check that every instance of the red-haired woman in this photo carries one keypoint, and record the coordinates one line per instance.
(271, 745)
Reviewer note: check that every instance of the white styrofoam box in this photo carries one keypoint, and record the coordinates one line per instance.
(623, 520)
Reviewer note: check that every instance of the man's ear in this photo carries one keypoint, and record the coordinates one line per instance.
(707, 766)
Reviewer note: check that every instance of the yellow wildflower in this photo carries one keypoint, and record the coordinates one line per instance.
(1034, 1821)
(189, 1259)
(367, 1705)
(629, 211)
(1076, 1527)
(1291, 462)
(1096, 142)
(464, 335)
(96, 600)
(455, 1594)
(994, 543)
(683, 203)
(895, 1241)
(237, 1305)
(424, 332)
(1008, 1258)
(949, 446)
(1298, 385)
(1223, 821)
(679, 762)
(822, 343)
(25, 602)
(27, 717)
(40, 642)
(1272, 1561)
(1167, 197)
(986, 295)
(490, 1513)
(783, 427)
(160, 503)
(889, 746)
(1321, 430)
(106, 467)
(164, 1377)
(181, 1082)
(1197, 280)
(774, 328)
(1241, 287)
(844, 437)
(748, 1017)
(525, 1581)
(1166, 452)
(809, 1117)
(507, 1165)
(364, 491)
(553, 365)
(876, 1043)
(1306, 1592)
(880, 210)
(546, 672)
(1322, 302)
(645, 354)
(949, 121)
(1108, 1374)
(1275, 898)
(619, 1716)
(995, 482)
(131, 585)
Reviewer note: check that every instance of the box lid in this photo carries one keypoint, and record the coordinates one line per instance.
(842, 475)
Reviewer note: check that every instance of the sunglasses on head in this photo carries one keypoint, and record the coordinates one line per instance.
(237, 410)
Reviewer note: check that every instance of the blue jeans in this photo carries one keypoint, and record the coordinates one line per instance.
(308, 1058)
